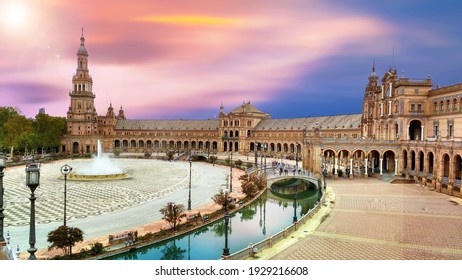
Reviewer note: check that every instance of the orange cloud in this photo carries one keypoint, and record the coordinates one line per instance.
(190, 20)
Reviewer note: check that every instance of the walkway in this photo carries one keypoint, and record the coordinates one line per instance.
(375, 220)
(114, 206)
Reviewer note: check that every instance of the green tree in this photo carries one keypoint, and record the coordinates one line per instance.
(173, 213)
(16, 127)
(213, 159)
(5, 113)
(65, 238)
(49, 130)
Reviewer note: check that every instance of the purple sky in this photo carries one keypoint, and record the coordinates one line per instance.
(182, 59)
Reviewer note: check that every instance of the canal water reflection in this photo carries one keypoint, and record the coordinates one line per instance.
(269, 214)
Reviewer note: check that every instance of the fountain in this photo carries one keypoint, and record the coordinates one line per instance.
(101, 168)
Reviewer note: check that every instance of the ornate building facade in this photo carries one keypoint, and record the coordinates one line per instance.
(407, 128)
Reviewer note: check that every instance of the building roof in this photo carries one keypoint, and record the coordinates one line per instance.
(326, 122)
(124, 124)
(246, 108)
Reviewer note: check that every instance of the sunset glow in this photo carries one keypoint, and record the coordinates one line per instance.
(182, 59)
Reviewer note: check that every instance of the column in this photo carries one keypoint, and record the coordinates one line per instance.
(396, 166)
(336, 167)
(365, 168)
(422, 133)
(386, 164)
(372, 165)
(351, 168)
(407, 133)
(380, 163)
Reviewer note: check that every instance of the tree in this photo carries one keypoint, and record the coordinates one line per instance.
(238, 163)
(251, 184)
(49, 130)
(173, 213)
(5, 114)
(64, 238)
(220, 198)
(213, 159)
(16, 127)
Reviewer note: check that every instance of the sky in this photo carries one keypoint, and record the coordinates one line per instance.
(182, 59)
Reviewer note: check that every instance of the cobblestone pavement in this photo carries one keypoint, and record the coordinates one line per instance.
(113, 206)
(375, 220)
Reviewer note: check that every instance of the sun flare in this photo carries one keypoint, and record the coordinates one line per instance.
(14, 14)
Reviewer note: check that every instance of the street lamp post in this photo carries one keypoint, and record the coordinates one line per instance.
(295, 204)
(226, 249)
(2, 166)
(173, 209)
(65, 170)
(265, 149)
(32, 181)
(231, 173)
(189, 199)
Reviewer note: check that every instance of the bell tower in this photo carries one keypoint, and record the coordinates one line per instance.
(82, 116)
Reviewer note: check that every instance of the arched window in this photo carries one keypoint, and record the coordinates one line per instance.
(435, 107)
(455, 106)
(236, 134)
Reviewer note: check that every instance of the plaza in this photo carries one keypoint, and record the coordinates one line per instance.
(105, 207)
(370, 219)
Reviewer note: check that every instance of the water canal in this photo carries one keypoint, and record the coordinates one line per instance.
(269, 214)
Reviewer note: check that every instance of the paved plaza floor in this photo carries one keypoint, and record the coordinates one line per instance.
(105, 207)
(375, 220)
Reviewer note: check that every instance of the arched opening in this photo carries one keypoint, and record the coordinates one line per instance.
(125, 143)
(252, 147)
(446, 162)
(225, 146)
(430, 164)
(374, 161)
(236, 134)
(404, 161)
(75, 148)
(272, 147)
(133, 144)
(415, 130)
(117, 143)
(149, 144)
(421, 162)
(171, 144)
(412, 163)
(458, 168)
(236, 146)
(388, 162)
(141, 144)
(231, 133)
(186, 145)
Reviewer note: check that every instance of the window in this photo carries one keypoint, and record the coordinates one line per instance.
(435, 107)
(419, 108)
(412, 107)
(416, 91)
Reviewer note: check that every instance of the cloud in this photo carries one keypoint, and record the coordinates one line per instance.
(156, 56)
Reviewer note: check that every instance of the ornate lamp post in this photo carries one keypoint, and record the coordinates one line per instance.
(226, 249)
(173, 209)
(65, 170)
(189, 199)
(32, 181)
(2, 166)
(265, 149)
(231, 172)
(295, 204)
